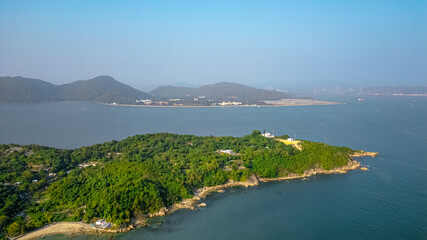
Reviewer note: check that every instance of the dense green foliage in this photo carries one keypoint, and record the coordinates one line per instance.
(138, 175)
(12, 201)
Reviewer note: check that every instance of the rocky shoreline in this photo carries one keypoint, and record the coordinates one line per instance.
(204, 192)
(199, 194)
(352, 165)
(73, 228)
(362, 153)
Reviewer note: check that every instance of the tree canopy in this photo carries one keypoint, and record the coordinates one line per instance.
(119, 180)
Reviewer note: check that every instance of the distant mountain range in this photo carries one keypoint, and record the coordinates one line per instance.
(103, 89)
(223, 91)
(106, 89)
(405, 90)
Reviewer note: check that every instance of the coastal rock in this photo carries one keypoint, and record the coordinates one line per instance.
(184, 204)
(202, 204)
(161, 212)
(220, 191)
(362, 153)
(203, 192)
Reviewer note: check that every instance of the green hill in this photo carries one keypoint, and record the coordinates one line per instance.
(166, 92)
(103, 89)
(223, 91)
(19, 89)
(123, 180)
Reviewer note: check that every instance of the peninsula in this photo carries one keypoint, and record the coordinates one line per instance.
(107, 90)
(117, 185)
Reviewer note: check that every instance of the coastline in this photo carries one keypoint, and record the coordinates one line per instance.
(69, 228)
(291, 102)
(352, 165)
(361, 153)
(75, 228)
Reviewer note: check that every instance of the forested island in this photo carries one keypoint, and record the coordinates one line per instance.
(125, 182)
(107, 90)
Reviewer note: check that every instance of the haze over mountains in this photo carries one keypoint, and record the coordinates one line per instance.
(106, 89)
(220, 91)
(99, 89)
(387, 90)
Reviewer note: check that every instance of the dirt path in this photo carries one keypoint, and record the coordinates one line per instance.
(295, 143)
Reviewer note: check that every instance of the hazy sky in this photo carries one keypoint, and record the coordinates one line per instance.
(261, 43)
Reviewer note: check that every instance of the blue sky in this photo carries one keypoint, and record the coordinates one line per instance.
(280, 44)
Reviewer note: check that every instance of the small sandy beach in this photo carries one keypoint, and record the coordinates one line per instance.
(69, 228)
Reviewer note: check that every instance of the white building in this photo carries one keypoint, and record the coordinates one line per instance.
(228, 103)
(99, 222)
(227, 151)
(106, 225)
(144, 101)
(267, 135)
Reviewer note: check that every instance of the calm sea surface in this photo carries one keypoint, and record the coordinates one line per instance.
(387, 202)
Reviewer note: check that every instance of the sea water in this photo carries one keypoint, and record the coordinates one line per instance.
(387, 202)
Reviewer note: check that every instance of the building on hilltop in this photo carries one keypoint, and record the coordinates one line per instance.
(267, 134)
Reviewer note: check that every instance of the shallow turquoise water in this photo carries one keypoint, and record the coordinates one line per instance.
(388, 202)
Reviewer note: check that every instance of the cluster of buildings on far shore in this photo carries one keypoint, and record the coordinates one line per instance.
(151, 102)
(228, 103)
